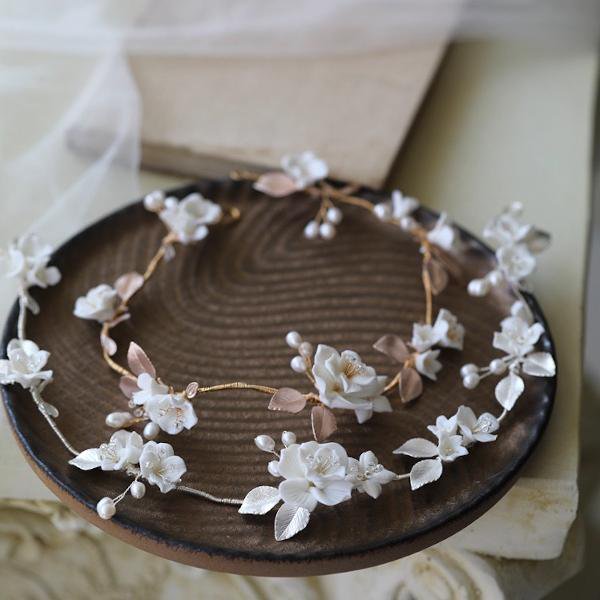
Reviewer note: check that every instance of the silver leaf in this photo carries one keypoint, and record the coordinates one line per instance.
(260, 500)
(289, 520)
(424, 472)
(539, 364)
(50, 409)
(508, 390)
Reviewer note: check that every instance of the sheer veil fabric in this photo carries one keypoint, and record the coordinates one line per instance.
(64, 75)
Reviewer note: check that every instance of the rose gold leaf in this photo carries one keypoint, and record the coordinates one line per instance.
(392, 346)
(128, 386)
(192, 389)
(138, 361)
(127, 285)
(449, 263)
(437, 275)
(411, 385)
(323, 423)
(275, 184)
(288, 400)
(108, 344)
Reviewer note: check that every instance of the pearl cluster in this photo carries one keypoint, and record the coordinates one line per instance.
(107, 507)
(302, 361)
(118, 420)
(384, 212)
(472, 374)
(326, 228)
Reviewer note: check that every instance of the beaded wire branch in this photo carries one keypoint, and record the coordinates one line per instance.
(313, 472)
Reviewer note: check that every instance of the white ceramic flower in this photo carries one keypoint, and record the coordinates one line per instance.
(507, 229)
(517, 337)
(443, 425)
(517, 243)
(344, 381)
(423, 337)
(476, 429)
(161, 467)
(427, 363)
(99, 304)
(172, 413)
(402, 206)
(27, 260)
(367, 475)
(24, 364)
(189, 217)
(314, 473)
(443, 233)
(515, 262)
(448, 331)
(122, 451)
(149, 390)
(304, 169)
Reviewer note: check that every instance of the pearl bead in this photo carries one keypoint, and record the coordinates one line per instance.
(293, 339)
(471, 381)
(327, 231)
(273, 468)
(497, 366)
(118, 419)
(151, 430)
(468, 369)
(106, 508)
(407, 223)
(154, 201)
(298, 364)
(478, 287)
(495, 277)
(305, 349)
(311, 231)
(288, 438)
(137, 489)
(382, 211)
(334, 215)
(265, 443)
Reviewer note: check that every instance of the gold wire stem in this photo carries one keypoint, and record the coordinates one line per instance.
(237, 385)
(392, 383)
(428, 294)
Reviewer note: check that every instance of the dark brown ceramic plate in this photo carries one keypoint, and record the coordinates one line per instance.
(219, 312)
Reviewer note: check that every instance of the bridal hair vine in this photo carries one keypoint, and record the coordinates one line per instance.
(314, 472)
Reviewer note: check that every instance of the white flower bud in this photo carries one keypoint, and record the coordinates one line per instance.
(154, 201)
(478, 287)
(137, 489)
(305, 349)
(334, 215)
(273, 468)
(106, 508)
(494, 277)
(293, 339)
(471, 381)
(116, 420)
(327, 231)
(407, 223)
(288, 438)
(497, 366)
(298, 364)
(311, 231)
(383, 211)
(265, 443)
(468, 369)
(151, 430)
